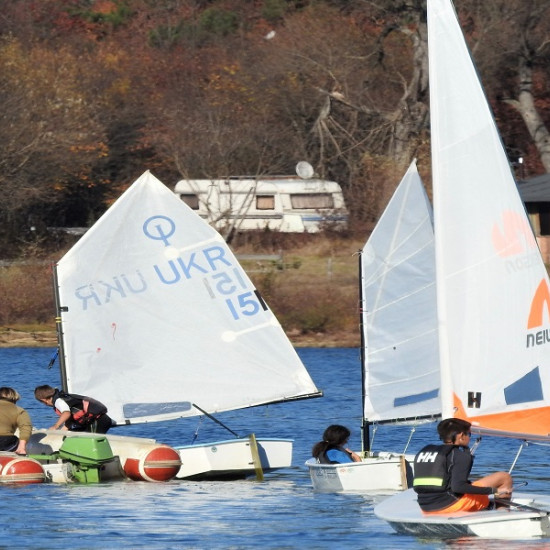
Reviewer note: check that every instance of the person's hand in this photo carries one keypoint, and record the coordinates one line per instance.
(503, 494)
(21, 448)
(354, 456)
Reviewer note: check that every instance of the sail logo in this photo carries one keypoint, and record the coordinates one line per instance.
(159, 228)
(539, 315)
(514, 241)
(513, 236)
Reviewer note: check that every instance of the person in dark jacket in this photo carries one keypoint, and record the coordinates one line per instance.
(332, 449)
(77, 413)
(441, 474)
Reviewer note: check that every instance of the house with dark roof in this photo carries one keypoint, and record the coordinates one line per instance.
(535, 193)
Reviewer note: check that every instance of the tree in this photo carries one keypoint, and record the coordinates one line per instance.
(510, 42)
(44, 147)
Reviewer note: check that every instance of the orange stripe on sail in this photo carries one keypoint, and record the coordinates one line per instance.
(534, 421)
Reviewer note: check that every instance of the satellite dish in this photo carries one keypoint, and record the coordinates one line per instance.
(304, 170)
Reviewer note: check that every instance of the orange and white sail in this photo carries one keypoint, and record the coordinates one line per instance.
(492, 286)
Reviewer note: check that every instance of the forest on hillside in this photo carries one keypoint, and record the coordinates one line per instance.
(95, 92)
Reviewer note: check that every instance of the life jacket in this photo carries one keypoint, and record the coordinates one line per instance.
(84, 410)
(431, 471)
(323, 459)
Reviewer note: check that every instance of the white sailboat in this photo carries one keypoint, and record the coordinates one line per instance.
(493, 290)
(399, 351)
(158, 320)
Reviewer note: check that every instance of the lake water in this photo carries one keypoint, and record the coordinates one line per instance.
(279, 513)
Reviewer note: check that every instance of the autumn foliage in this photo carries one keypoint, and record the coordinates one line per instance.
(94, 92)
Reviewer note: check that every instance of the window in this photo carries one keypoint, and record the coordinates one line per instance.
(190, 200)
(265, 202)
(314, 201)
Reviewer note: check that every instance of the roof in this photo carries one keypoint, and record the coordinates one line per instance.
(535, 189)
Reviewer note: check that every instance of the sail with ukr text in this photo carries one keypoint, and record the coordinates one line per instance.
(157, 315)
(493, 287)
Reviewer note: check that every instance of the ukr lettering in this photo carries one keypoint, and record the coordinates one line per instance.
(196, 264)
(103, 292)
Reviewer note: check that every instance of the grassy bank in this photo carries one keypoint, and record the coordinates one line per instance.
(311, 287)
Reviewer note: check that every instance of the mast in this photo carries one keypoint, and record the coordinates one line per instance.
(59, 330)
(365, 432)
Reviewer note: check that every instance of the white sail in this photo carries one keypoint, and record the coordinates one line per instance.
(157, 315)
(493, 288)
(399, 310)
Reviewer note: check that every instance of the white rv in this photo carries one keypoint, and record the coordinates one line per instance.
(278, 203)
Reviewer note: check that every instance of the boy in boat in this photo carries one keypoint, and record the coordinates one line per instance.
(441, 474)
(77, 413)
(332, 449)
(12, 418)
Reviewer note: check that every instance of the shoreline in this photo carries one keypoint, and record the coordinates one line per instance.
(15, 338)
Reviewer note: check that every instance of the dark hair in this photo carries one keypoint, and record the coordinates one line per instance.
(449, 428)
(334, 436)
(43, 392)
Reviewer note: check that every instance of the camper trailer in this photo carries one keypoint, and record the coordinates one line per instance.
(278, 203)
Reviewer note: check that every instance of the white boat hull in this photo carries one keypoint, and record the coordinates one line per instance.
(379, 473)
(233, 459)
(403, 513)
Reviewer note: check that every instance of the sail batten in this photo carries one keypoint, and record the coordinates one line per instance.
(493, 288)
(157, 310)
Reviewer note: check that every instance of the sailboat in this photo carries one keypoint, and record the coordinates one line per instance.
(399, 349)
(493, 290)
(157, 319)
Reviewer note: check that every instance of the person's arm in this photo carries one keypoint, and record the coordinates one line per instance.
(24, 423)
(354, 456)
(65, 414)
(462, 463)
(60, 424)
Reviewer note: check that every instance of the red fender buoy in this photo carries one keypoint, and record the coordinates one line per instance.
(161, 463)
(20, 470)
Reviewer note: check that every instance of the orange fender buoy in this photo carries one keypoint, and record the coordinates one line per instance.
(161, 463)
(20, 470)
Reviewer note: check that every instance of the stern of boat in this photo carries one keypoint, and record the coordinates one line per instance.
(376, 473)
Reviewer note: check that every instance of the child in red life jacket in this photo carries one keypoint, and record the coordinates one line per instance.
(77, 413)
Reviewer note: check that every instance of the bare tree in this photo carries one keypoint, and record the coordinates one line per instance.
(509, 39)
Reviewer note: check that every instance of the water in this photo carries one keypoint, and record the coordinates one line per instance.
(279, 513)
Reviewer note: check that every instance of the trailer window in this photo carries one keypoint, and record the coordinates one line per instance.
(315, 201)
(190, 200)
(265, 202)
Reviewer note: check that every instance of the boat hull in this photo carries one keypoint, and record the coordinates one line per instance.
(135, 458)
(233, 459)
(402, 512)
(378, 473)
